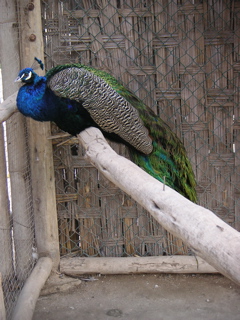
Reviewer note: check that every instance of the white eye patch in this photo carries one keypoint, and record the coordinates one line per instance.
(28, 77)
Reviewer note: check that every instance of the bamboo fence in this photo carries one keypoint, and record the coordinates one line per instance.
(182, 59)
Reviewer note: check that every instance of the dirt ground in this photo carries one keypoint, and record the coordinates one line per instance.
(142, 297)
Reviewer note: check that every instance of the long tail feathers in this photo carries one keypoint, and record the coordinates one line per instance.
(168, 162)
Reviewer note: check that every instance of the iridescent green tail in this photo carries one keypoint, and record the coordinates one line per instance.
(168, 161)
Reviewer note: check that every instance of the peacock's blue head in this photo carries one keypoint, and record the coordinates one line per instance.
(26, 75)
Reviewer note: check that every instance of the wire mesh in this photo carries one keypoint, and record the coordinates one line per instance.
(17, 251)
(17, 226)
(182, 59)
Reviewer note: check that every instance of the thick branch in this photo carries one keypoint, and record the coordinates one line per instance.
(8, 107)
(165, 264)
(208, 236)
(28, 297)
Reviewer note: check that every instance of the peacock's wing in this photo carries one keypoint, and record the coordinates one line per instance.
(100, 94)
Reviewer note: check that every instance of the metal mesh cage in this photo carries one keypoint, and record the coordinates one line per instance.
(18, 249)
(181, 59)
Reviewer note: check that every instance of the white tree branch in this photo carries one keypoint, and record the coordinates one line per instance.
(8, 107)
(208, 236)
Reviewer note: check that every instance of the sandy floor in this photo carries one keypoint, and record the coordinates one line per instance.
(144, 297)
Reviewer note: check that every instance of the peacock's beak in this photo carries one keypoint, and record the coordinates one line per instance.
(18, 79)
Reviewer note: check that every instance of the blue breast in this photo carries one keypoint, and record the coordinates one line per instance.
(37, 101)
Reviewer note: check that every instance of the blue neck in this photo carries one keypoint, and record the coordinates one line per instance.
(35, 100)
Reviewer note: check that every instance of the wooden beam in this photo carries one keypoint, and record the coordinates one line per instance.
(172, 264)
(28, 297)
(42, 169)
(208, 236)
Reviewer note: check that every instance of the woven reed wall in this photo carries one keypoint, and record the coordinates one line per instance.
(181, 58)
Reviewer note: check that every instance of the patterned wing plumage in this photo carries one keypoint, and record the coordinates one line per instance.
(110, 110)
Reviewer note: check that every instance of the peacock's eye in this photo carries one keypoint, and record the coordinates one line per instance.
(26, 75)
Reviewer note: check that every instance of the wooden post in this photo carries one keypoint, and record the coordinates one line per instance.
(208, 236)
(19, 170)
(2, 305)
(42, 171)
(6, 265)
(9, 65)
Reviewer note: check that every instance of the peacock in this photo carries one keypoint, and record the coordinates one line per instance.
(76, 97)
